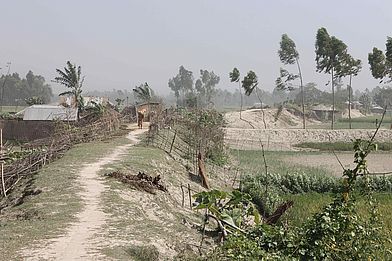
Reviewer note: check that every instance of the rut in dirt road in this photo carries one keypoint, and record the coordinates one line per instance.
(81, 241)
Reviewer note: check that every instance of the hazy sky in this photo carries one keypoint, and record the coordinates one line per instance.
(120, 44)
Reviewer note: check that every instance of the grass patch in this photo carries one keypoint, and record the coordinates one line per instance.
(368, 122)
(307, 204)
(141, 218)
(49, 213)
(340, 146)
(7, 109)
(143, 253)
(251, 162)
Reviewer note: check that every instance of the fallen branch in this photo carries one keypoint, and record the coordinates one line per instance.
(141, 181)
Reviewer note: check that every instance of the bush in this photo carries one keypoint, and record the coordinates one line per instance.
(341, 231)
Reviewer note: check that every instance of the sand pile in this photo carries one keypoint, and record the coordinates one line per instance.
(253, 119)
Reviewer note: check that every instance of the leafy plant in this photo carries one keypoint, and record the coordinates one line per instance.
(232, 208)
(71, 77)
(235, 77)
(143, 93)
(339, 232)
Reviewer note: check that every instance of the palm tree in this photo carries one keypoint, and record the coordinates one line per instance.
(143, 93)
(71, 78)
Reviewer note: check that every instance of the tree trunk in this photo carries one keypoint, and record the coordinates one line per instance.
(333, 101)
(349, 102)
(302, 94)
(261, 108)
(239, 84)
(77, 107)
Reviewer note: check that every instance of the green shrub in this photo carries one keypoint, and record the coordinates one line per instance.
(340, 231)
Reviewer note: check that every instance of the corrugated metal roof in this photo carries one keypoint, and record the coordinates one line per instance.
(49, 113)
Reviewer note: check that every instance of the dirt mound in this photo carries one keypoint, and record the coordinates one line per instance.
(253, 119)
(354, 114)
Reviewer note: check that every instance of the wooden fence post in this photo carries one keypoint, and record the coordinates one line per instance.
(190, 196)
(2, 163)
(172, 143)
(183, 196)
(202, 171)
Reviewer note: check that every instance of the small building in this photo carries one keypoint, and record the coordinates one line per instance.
(323, 112)
(49, 113)
(148, 108)
(376, 109)
(36, 122)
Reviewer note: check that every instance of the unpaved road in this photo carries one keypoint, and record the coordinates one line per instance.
(82, 241)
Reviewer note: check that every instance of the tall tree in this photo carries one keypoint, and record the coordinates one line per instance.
(249, 83)
(205, 86)
(366, 99)
(3, 86)
(71, 77)
(17, 90)
(383, 97)
(380, 64)
(330, 54)
(175, 86)
(349, 67)
(288, 54)
(182, 84)
(235, 77)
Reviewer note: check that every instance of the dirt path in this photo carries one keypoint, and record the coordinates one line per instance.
(82, 241)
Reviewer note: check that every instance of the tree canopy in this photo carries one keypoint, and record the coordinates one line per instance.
(143, 93)
(331, 53)
(250, 82)
(383, 97)
(17, 90)
(205, 86)
(182, 84)
(380, 63)
(234, 75)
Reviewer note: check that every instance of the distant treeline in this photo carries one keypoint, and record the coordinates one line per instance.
(15, 90)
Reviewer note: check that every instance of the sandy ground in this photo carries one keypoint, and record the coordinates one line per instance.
(354, 114)
(250, 132)
(377, 162)
(285, 139)
(254, 119)
(82, 241)
(283, 134)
